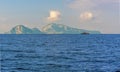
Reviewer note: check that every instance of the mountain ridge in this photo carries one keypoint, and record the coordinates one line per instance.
(51, 28)
(21, 29)
(63, 29)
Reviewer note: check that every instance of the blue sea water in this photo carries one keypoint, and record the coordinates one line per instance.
(60, 53)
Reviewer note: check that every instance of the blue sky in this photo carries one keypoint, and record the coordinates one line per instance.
(101, 15)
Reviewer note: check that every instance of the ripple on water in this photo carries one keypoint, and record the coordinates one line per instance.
(60, 53)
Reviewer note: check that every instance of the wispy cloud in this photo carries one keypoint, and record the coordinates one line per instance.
(86, 16)
(88, 4)
(54, 16)
(82, 4)
(88, 7)
(112, 1)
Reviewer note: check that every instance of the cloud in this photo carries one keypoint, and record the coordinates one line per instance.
(82, 5)
(85, 5)
(89, 7)
(111, 1)
(86, 16)
(54, 16)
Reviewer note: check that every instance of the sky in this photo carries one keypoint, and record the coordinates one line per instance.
(100, 15)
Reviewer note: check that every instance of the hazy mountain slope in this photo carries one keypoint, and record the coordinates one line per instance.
(62, 29)
(50, 29)
(20, 29)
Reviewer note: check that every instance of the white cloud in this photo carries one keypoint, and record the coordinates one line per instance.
(54, 16)
(86, 16)
(89, 7)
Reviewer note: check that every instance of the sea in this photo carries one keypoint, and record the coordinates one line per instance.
(60, 53)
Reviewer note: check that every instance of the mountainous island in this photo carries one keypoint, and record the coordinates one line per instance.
(52, 28)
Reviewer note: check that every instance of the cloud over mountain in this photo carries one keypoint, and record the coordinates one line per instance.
(86, 16)
(54, 16)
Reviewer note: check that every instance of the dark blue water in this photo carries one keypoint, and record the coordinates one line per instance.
(60, 53)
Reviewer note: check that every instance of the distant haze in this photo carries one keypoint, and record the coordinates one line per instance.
(100, 15)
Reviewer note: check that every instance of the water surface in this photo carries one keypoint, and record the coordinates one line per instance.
(60, 53)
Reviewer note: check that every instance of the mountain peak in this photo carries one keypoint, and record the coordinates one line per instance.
(19, 26)
(54, 28)
(21, 29)
(18, 29)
